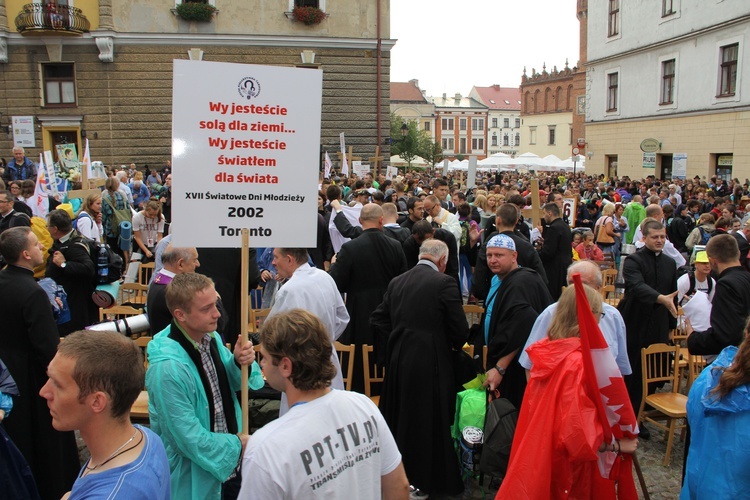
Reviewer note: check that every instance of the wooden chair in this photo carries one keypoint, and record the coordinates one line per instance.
(657, 361)
(609, 277)
(134, 293)
(139, 409)
(373, 373)
(257, 317)
(145, 271)
(117, 312)
(346, 359)
(473, 313)
(696, 364)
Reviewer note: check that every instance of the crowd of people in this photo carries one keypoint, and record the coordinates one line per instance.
(394, 263)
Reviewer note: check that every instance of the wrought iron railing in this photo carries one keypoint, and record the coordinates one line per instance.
(62, 18)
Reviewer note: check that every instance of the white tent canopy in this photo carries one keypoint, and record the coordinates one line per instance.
(418, 161)
(531, 160)
(567, 164)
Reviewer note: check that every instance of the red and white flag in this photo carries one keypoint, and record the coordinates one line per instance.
(327, 174)
(40, 203)
(613, 408)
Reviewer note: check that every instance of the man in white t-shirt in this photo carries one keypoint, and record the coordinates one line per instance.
(700, 281)
(331, 444)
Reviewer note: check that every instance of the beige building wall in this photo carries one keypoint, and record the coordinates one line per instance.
(535, 134)
(702, 137)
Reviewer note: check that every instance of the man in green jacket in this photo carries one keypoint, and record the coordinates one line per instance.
(192, 380)
(635, 212)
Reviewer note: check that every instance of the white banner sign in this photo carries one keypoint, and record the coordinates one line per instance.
(679, 166)
(245, 147)
(570, 207)
(360, 168)
(649, 160)
(23, 131)
(391, 172)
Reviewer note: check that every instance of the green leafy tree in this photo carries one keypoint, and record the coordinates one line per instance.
(430, 150)
(408, 146)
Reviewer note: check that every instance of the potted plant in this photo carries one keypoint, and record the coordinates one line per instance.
(196, 11)
(309, 15)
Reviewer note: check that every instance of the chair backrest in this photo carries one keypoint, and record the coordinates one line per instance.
(117, 312)
(257, 317)
(696, 364)
(142, 342)
(145, 271)
(373, 372)
(346, 359)
(657, 360)
(473, 313)
(609, 277)
(133, 293)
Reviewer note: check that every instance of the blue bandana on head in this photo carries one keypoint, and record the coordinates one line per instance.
(502, 241)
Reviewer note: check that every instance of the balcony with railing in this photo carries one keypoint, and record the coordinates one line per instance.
(51, 19)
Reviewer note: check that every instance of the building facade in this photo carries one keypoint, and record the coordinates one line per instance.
(461, 126)
(548, 101)
(409, 102)
(674, 72)
(504, 115)
(103, 69)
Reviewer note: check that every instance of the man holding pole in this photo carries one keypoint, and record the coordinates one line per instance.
(192, 380)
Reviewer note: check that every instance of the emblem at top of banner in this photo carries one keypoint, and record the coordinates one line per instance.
(249, 87)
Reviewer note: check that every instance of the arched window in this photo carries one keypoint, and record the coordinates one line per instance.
(526, 101)
(536, 101)
(558, 99)
(568, 105)
(546, 99)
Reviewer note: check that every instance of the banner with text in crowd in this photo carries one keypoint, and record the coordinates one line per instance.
(245, 149)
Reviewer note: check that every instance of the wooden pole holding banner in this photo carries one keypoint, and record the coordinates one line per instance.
(536, 206)
(245, 315)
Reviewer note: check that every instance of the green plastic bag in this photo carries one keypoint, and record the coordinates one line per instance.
(471, 406)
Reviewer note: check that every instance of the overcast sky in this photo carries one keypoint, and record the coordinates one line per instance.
(452, 45)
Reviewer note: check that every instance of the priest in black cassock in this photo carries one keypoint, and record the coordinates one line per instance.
(517, 296)
(419, 322)
(648, 306)
(363, 268)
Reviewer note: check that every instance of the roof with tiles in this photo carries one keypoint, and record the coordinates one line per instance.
(407, 92)
(497, 97)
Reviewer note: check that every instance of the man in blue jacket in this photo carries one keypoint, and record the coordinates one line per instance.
(192, 380)
(19, 168)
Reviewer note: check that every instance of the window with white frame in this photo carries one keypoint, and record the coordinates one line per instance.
(505, 139)
(494, 123)
(427, 126)
(462, 145)
(477, 144)
(668, 7)
(532, 135)
(462, 124)
(518, 139)
(518, 123)
(447, 123)
(448, 144)
(506, 122)
(494, 139)
(667, 81)
(477, 124)
(551, 135)
(59, 84)
(613, 96)
(728, 70)
(613, 24)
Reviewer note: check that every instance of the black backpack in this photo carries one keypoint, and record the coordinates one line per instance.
(114, 261)
(691, 278)
(499, 428)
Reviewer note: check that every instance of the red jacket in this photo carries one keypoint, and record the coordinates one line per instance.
(554, 453)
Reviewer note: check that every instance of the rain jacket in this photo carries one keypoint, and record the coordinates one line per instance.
(719, 456)
(199, 460)
(554, 453)
(634, 213)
